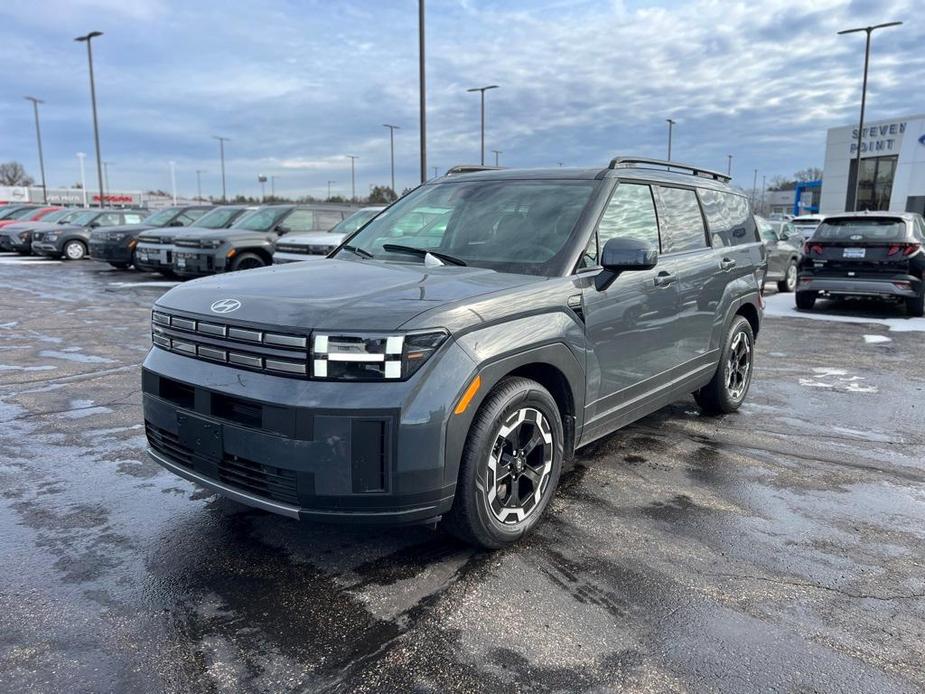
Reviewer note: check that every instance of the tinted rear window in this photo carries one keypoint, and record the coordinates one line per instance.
(867, 229)
(728, 217)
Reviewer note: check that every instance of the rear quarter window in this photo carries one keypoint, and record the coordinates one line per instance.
(730, 221)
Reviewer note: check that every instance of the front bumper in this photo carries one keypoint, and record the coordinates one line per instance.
(11, 242)
(193, 262)
(153, 257)
(897, 285)
(111, 251)
(320, 450)
(47, 248)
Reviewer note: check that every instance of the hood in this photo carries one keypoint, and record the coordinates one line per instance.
(334, 294)
(171, 232)
(206, 234)
(311, 238)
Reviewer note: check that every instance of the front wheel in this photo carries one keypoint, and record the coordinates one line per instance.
(510, 465)
(727, 389)
(247, 261)
(75, 250)
(789, 283)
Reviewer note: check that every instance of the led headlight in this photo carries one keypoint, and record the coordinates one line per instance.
(212, 243)
(51, 237)
(372, 357)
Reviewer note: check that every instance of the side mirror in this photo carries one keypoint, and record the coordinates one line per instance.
(282, 229)
(176, 223)
(624, 255)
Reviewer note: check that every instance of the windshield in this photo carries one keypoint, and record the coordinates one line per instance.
(84, 218)
(217, 218)
(261, 220)
(8, 213)
(161, 217)
(25, 212)
(512, 226)
(866, 229)
(353, 222)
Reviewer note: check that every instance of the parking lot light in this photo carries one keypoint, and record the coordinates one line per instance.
(83, 177)
(671, 125)
(96, 129)
(38, 137)
(353, 175)
(857, 158)
(482, 90)
(221, 150)
(392, 129)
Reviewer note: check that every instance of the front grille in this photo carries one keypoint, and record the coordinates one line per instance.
(161, 240)
(282, 354)
(247, 475)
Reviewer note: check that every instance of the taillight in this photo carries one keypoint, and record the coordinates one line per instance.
(812, 248)
(903, 248)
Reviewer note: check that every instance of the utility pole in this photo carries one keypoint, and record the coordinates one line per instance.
(729, 165)
(106, 165)
(83, 177)
(422, 89)
(482, 90)
(671, 125)
(221, 149)
(755, 190)
(38, 137)
(392, 129)
(498, 154)
(273, 187)
(96, 129)
(353, 175)
(857, 158)
(330, 183)
(199, 173)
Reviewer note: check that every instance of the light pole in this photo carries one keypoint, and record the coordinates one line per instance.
(755, 190)
(199, 173)
(671, 125)
(106, 165)
(330, 183)
(392, 129)
(262, 180)
(729, 165)
(498, 154)
(857, 159)
(173, 182)
(422, 89)
(482, 90)
(96, 129)
(38, 137)
(353, 175)
(273, 187)
(83, 177)
(221, 150)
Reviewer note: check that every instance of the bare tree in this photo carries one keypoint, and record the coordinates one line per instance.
(813, 173)
(12, 173)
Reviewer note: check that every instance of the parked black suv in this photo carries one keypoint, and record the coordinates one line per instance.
(72, 240)
(416, 375)
(875, 254)
(155, 248)
(249, 242)
(116, 246)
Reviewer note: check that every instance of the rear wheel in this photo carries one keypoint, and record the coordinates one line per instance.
(510, 466)
(806, 300)
(120, 266)
(75, 250)
(247, 261)
(727, 389)
(789, 283)
(915, 306)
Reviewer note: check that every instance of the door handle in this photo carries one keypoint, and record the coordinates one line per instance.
(727, 264)
(664, 279)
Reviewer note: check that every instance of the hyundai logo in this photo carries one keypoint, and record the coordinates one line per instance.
(225, 306)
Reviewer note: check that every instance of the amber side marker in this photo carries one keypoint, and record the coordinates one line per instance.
(468, 395)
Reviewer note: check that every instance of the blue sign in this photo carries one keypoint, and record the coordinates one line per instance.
(922, 140)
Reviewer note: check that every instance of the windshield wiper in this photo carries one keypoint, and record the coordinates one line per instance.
(362, 252)
(398, 248)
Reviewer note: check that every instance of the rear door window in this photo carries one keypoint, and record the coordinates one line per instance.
(728, 217)
(328, 219)
(629, 214)
(300, 220)
(681, 220)
(109, 219)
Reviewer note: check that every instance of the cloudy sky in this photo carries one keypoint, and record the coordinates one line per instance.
(299, 84)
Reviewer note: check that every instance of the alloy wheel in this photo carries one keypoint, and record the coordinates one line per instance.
(738, 366)
(791, 278)
(519, 465)
(74, 250)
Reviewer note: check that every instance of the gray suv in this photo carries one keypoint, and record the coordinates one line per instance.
(447, 359)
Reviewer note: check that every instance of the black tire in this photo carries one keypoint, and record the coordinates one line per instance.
(120, 266)
(915, 306)
(74, 249)
(168, 273)
(806, 300)
(247, 261)
(727, 390)
(474, 517)
(789, 283)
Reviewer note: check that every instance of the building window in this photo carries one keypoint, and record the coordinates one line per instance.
(875, 185)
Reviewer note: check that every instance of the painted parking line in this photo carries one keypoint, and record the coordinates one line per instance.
(26, 260)
(782, 305)
(125, 285)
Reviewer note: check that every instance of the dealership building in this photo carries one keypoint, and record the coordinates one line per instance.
(892, 173)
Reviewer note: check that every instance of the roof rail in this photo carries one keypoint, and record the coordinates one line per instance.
(470, 168)
(623, 162)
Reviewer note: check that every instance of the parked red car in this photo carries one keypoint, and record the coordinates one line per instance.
(32, 215)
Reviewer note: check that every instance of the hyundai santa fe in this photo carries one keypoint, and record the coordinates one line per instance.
(449, 357)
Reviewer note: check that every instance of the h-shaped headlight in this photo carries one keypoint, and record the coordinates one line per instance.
(366, 357)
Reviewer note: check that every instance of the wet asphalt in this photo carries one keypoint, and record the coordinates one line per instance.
(777, 549)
